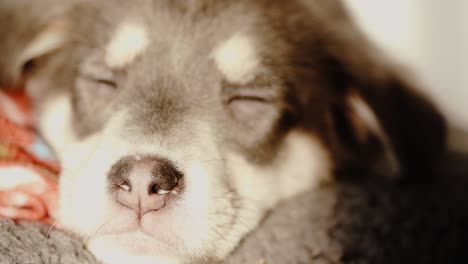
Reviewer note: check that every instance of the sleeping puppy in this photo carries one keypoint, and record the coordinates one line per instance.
(179, 124)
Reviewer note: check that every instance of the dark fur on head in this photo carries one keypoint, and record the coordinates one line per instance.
(320, 57)
(316, 82)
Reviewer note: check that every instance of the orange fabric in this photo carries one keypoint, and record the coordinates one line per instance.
(36, 200)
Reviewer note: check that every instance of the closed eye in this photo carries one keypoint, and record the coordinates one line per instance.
(96, 79)
(250, 109)
(247, 98)
(254, 105)
(92, 87)
(106, 82)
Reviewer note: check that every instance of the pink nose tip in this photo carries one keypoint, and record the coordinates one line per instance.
(144, 184)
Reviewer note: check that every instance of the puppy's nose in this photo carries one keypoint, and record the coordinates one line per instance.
(144, 184)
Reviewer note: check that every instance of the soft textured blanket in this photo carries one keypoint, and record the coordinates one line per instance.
(28, 185)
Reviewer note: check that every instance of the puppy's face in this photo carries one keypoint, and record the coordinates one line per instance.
(179, 124)
(173, 128)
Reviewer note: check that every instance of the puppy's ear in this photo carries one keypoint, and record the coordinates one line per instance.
(377, 117)
(51, 38)
(29, 29)
(384, 124)
(358, 139)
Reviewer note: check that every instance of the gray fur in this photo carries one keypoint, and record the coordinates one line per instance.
(312, 57)
(312, 60)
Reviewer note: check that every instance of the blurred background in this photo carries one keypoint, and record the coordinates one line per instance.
(430, 36)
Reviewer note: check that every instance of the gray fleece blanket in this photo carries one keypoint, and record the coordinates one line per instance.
(422, 219)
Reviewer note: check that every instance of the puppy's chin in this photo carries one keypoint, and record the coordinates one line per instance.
(163, 233)
(131, 247)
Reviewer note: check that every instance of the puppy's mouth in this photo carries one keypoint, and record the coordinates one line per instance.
(147, 212)
(140, 232)
(143, 218)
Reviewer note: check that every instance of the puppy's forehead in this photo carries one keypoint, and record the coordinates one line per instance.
(221, 37)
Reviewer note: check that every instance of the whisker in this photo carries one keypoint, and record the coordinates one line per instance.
(94, 235)
(51, 228)
(213, 160)
(236, 199)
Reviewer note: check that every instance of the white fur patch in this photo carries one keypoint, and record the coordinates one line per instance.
(237, 59)
(128, 42)
(55, 124)
(302, 164)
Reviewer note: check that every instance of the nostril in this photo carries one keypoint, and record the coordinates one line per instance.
(118, 176)
(163, 192)
(165, 176)
(155, 189)
(125, 185)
